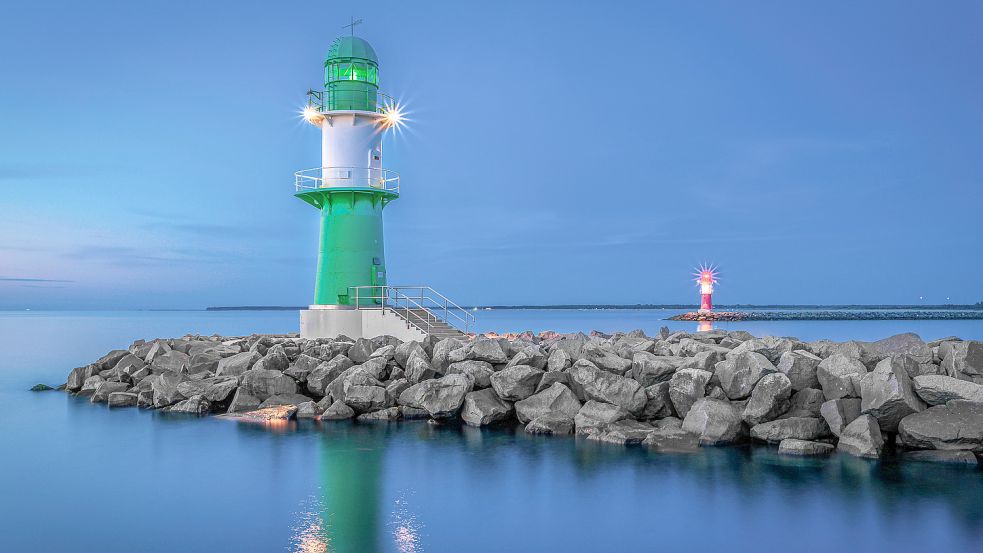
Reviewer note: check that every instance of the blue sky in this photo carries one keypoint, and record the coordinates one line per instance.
(561, 152)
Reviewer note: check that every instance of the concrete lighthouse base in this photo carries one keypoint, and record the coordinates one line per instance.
(322, 322)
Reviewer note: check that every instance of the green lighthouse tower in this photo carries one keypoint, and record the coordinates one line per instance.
(351, 189)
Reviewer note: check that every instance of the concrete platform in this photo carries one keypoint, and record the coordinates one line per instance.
(356, 323)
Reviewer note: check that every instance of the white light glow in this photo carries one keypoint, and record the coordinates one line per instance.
(312, 115)
(393, 116)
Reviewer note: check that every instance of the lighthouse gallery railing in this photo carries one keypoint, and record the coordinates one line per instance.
(353, 177)
(421, 306)
(345, 99)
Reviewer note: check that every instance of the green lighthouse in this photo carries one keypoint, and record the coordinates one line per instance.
(350, 190)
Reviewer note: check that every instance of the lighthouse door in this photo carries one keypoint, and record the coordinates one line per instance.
(378, 278)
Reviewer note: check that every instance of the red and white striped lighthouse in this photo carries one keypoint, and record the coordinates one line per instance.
(706, 277)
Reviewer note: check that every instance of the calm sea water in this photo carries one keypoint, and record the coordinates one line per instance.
(79, 477)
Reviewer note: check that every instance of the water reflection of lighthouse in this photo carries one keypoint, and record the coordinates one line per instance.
(350, 513)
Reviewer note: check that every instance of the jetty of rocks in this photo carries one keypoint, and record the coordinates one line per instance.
(833, 315)
(899, 396)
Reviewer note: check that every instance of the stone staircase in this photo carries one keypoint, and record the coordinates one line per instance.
(428, 322)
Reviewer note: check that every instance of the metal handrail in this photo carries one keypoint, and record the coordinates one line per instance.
(424, 298)
(353, 177)
(331, 100)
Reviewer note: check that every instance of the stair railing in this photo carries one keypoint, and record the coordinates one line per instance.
(421, 306)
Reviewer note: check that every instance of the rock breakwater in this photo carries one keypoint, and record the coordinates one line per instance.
(670, 392)
(833, 315)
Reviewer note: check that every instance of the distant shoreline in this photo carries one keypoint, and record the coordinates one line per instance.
(844, 307)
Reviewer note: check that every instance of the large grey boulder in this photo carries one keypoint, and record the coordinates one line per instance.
(104, 389)
(165, 388)
(800, 428)
(326, 372)
(123, 399)
(552, 377)
(264, 383)
(904, 344)
(957, 425)
(597, 414)
(418, 369)
(77, 377)
(478, 371)
(218, 389)
(441, 397)
(90, 385)
(886, 392)
(517, 382)
(356, 376)
(650, 369)
(556, 398)
(792, 446)
(838, 413)
(361, 350)
(378, 367)
(110, 360)
(551, 424)
(336, 388)
(384, 353)
(686, 387)
(863, 352)
(194, 405)
(307, 410)
(300, 369)
(442, 352)
(367, 398)
(204, 362)
(715, 421)
(939, 389)
(484, 407)
(243, 402)
(704, 360)
(605, 358)
(608, 387)
(486, 349)
(862, 438)
(769, 399)
(840, 376)
(237, 364)
(659, 402)
(128, 364)
(337, 411)
(800, 368)
(558, 360)
(171, 361)
(964, 360)
(738, 374)
(806, 403)
(573, 345)
(408, 349)
(530, 355)
(397, 386)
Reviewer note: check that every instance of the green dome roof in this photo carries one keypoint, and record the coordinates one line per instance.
(351, 47)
